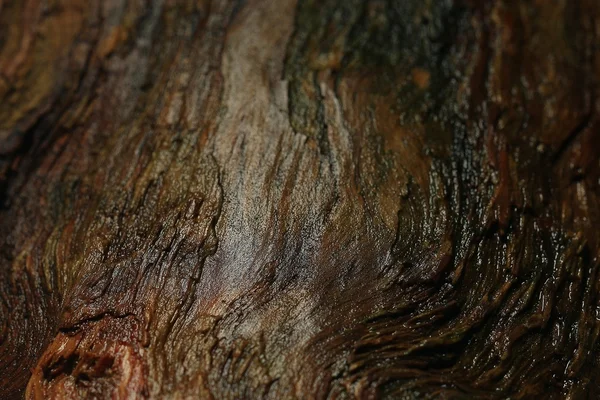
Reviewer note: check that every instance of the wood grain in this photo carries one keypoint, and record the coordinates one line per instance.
(315, 199)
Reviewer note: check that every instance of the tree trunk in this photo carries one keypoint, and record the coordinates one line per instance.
(318, 199)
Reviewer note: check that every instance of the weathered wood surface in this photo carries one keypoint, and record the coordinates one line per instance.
(323, 199)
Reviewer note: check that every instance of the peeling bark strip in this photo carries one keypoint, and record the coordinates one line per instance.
(323, 199)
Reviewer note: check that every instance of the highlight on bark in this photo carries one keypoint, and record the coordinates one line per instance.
(299, 199)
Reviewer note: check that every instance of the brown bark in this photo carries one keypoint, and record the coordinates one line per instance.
(313, 199)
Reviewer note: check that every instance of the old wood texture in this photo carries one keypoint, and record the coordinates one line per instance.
(318, 199)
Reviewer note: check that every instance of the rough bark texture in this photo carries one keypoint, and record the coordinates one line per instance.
(316, 199)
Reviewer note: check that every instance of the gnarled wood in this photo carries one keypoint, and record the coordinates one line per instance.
(313, 199)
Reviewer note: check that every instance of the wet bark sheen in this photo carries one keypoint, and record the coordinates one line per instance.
(314, 199)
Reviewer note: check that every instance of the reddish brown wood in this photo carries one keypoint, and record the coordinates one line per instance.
(313, 199)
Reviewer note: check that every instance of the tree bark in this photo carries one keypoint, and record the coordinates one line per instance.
(316, 199)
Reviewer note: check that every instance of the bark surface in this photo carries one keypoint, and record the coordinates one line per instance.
(317, 199)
